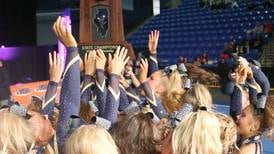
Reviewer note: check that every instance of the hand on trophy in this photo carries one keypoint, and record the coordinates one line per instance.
(63, 33)
(100, 59)
(90, 65)
(118, 62)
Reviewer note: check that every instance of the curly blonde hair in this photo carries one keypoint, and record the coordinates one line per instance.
(228, 133)
(171, 98)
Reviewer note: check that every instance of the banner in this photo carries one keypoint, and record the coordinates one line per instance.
(25, 93)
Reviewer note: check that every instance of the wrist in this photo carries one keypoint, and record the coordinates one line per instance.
(143, 80)
(132, 75)
(53, 83)
(115, 73)
(100, 67)
(92, 74)
(55, 80)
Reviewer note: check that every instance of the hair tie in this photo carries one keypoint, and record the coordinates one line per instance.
(149, 114)
(203, 108)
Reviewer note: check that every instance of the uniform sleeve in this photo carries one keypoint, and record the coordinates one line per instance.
(155, 103)
(132, 96)
(101, 91)
(228, 87)
(113, 99)
(51, 93)
(152, 64)
(261, 79)
(124, 101)
(236, 102)
(88, 88)
(252, 90)
(70, 94)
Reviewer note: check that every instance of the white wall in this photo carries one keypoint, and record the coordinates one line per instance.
(156, 7)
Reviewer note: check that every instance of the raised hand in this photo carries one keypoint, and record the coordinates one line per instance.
(100, 59)
(63, 33)
(90, 65)
(55, 69)
(153, 41)
(118, 62)
(243, 62)
(241, 75)
(143, 70)
(123, 81)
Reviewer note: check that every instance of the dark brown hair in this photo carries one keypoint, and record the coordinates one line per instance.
(136, 134)
(198, 74)
(86, 112)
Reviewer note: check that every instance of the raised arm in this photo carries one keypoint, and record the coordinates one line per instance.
(55, 72)
(152, 46)
(155, 103)
(134, 79)
(263, 81)
(89, 80)
(101, 90)
(116, 65)
(124, 101)
(70, 90)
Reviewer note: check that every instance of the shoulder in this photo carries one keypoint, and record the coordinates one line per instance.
(247, 148)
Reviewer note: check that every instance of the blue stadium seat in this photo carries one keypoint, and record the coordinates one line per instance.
(190, 30)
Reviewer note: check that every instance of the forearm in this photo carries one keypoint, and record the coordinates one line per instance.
(135, 81)
(100, 79)
(159, 109)
(152, 64)
(50, 96)
(236, 102)
(124, 102)
(70, 94)
(149, 94)
(86, 91)
(261, 79)
(112, 101)
(132, 96)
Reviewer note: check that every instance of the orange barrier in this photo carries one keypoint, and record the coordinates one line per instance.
(23, 93)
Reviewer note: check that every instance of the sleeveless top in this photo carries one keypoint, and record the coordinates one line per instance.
(257, 140)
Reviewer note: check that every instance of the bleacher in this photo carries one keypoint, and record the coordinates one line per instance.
(190, 30)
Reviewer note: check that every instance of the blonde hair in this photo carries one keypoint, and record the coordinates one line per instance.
(198, 133)
(198, 95)
(90, 139)
(171, 98)
(16, 134)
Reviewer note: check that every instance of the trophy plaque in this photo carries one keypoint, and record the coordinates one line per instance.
(101, 26)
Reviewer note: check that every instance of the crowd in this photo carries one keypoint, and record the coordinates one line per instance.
(254, 40)
(234, 4)
(112, 109)
(219, 4)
